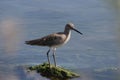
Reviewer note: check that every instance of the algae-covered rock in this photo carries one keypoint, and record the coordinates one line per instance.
(53, 72)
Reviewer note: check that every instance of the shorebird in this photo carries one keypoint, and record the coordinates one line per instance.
(54, 40)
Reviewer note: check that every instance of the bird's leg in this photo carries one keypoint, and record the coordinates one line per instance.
(54, 56)
(48, 57)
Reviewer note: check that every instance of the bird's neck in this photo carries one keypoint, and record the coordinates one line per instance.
(67, 31)
(68, 35)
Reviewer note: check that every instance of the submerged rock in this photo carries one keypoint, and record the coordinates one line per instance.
(53, 72)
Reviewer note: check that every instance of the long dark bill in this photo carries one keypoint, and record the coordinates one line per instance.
(77, 31)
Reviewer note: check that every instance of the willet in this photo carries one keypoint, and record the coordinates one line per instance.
(54, 40)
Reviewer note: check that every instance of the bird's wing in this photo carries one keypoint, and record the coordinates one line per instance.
(50, 40)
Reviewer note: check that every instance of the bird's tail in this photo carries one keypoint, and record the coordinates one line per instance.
(27, 42)
(33, 42)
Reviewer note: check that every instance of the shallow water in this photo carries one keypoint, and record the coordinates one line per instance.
(94, 55)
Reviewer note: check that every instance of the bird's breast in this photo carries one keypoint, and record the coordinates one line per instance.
(62, 40)
(67, 37)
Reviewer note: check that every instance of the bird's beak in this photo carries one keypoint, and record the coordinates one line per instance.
(77, 31)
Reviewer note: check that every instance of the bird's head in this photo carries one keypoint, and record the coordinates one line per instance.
(70, 26)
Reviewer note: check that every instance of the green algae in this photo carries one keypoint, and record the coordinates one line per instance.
(53, 72)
